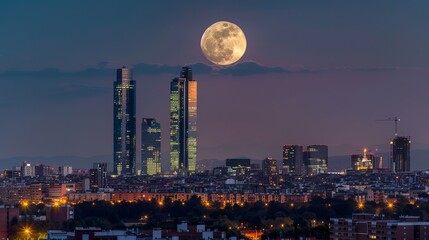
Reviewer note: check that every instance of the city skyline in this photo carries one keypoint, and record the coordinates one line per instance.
(214, 120)
(345, 75)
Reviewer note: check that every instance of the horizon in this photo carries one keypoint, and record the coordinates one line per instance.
(328, 89)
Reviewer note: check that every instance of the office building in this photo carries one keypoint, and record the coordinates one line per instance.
(8, 216)
(12, 173)
(316, 159)
(238, 166)
(42, 170)
(270, 171)
(150, 147)
(124, 123)
(369, 226)
(400, 154)
(293, 162)
(27, 170)
(93, 179)
(98, 176)
(183, 123)
(65, 170)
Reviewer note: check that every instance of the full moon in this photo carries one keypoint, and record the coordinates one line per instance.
(223, 43)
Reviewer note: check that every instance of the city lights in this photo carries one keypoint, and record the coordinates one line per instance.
(156, 120)
(25, 204)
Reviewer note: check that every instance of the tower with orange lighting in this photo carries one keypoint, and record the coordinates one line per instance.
(183, 123)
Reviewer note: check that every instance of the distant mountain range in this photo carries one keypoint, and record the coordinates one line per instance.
(419, 160)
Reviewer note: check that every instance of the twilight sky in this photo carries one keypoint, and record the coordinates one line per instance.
(315, 72)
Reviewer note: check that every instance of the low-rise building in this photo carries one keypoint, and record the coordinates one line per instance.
(368, 226)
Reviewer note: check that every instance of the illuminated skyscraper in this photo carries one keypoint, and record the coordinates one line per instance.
(400, 154)
(183, 122)
(293, 162)
(270, 171)
(316, 159)
(124, 123)
(98, 175)
(151, 146)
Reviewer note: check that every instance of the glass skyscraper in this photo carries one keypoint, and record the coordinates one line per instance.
(124, 123)
(151, 146)
(270, 171)
(316, 159)
(98, 175)
(183, 122)
(293, 160)
(400, 154)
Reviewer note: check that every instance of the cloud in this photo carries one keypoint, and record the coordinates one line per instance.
(239, 69)
(242, 69)
(202, 68)
(49, 73)
(374, 69)
(102, 70)
(250, 68)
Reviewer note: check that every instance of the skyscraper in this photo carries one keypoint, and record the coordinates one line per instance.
(124, 123)
(41, 170)
(151, 146)
(293, 160)
(183, 122)
(27, 170)
(400, 154)
(316, 159)
(270, 171)
(98, 175)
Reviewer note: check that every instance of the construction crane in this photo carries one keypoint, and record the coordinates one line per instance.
(392, 119)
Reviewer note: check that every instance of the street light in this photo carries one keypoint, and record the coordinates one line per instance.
(25, 204)
(27, 232)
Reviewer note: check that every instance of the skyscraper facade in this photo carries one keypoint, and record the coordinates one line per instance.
(183, 123)
(400, 154)
(124, 123)
(98, 175)
(41, 170)
(151, 146)
(293, 160)
(316, 159)
(270, 171)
